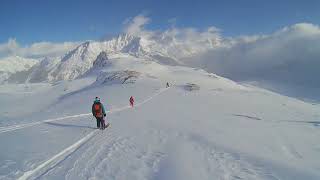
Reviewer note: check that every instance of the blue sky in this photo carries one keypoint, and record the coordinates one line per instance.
(75, 20)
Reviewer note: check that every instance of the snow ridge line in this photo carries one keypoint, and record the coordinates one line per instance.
(52, 162)
(22, 126)
(151, 97)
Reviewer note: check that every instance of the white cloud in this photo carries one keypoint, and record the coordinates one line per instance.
(9, 47)
(35, 50)
(192, 39)
(288, 56)
(136, 25)
(177, 42)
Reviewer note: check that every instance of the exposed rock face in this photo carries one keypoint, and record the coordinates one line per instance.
(102, 60)
(118, 77)
(191, 87)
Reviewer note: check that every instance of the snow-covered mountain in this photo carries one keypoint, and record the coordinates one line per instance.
(102, 60)
(203, 127)
(43, 71)
(81, 59)
(162, 48)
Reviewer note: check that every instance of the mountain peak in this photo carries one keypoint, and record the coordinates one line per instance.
(162, 48)
(101, 60)
(81, 50)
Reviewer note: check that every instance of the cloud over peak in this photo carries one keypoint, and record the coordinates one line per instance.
(135, 26)
(289, 56)
(35, 50)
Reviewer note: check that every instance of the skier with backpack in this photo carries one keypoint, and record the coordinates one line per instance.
(99, 113)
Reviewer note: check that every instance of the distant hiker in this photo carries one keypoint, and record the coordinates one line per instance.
(167, 85)
(131, 100)
(99, 113)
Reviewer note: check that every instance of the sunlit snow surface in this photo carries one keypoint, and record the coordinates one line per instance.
(221, 130)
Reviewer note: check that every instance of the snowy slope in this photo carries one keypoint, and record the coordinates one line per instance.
(221, 130)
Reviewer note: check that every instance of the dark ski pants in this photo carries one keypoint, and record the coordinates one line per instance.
(100, 122)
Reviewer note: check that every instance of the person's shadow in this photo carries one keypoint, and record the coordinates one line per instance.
(68, 125)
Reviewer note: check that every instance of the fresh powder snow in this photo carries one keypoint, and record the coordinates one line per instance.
(202, 127)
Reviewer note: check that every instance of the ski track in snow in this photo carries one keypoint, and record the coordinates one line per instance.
(22, 126)
(119, 157)
(102, 160)
(52, 162)
(46, 166)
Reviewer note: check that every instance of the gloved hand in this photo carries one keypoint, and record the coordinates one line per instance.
(104, 115)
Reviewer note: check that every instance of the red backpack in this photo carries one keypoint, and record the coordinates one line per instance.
(97, 110)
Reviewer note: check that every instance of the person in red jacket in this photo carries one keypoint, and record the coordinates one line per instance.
(131, 101)
(99, 113)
